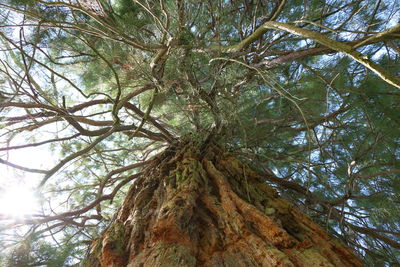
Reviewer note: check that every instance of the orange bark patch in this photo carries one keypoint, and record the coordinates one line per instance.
(111, 257)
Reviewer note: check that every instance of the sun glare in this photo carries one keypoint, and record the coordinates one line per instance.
(18, 202)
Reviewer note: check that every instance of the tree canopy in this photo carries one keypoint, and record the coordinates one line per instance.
(304, 91)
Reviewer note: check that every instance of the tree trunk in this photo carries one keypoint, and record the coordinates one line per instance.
(198, 206)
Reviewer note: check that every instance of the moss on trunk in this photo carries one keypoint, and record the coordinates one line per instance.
(200, 206)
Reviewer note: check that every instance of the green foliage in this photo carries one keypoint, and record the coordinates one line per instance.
(291, 107)
(34, 252)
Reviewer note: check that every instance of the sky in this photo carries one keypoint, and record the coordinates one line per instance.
(17, 188)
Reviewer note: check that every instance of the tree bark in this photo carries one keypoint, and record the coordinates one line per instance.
(200, 206)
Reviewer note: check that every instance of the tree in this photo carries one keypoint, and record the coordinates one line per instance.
(190, 133)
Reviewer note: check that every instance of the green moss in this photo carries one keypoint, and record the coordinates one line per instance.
(116, 237)
(312, 257)
(282, 206)
(171, 179)
(172, 255)
(269, 211)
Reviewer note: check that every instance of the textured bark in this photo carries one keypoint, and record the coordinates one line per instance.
(198, 206)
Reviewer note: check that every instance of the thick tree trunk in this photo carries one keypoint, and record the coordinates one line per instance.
(202, 207)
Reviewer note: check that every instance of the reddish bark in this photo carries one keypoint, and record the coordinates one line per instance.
(203, 207)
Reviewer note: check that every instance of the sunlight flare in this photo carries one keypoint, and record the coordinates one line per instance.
(18, 202)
